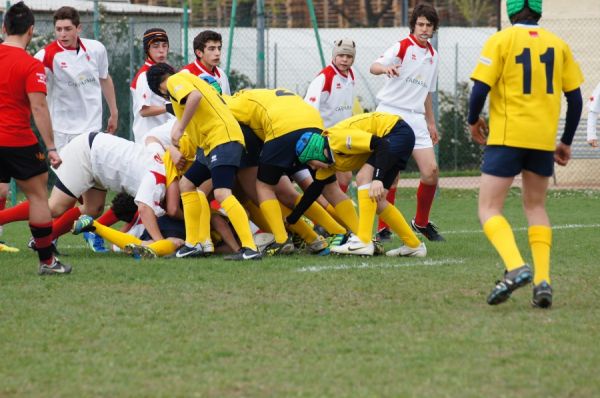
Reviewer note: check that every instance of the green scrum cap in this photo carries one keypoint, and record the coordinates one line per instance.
(311, 146)
(515, 6)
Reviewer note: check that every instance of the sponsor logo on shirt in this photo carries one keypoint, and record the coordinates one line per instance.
(485, 60)
(417, 81)
(83, 81)
(343, 108)
(41, 78)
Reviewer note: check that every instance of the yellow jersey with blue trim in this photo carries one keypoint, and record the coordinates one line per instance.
(273, 113)
(527, 68)
(212, 124)
(350, 140)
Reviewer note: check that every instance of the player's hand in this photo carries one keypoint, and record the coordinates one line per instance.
(479, 131)
(54, 159)
(593, 143)
(176, 133)
(177, 157)
(562, 154)
(113, 122)
(376, 191)
(392, 71)
(433, 133)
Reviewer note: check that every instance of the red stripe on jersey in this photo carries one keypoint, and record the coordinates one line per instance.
(49, 52)
(160, 179)
(192, 68)
(143, 69)
(404, 45)
(329, 74)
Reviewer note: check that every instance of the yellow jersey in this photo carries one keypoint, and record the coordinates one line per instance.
(188, 150)
(350, 140)
(527, 68)
(212, 124)
(273, 113)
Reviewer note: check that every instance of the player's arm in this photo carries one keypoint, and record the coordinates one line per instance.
(592, 137)
(313, 93)
(108, 91)
(562, 154)
(192, 101)
(430, 119)
(477, 125)
(310, 195)
(150, 222)
(154, 110)
(41, 117)
(385, 64)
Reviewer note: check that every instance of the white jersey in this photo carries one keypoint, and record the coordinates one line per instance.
(418, 77)
(332, 94)
(142, 96)
(74, 91)
(200, 70)
(594, 110)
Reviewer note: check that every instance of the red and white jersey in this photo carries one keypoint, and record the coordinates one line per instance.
(418, 77)
(143, 96)
(124, 166)
(332, 94)
(21, 75)
(74, 92)
(594, 110)
(200, 70)
(594, 100)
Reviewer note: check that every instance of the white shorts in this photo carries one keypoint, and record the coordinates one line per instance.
(62, 139)
(75, 171)
(417, 123)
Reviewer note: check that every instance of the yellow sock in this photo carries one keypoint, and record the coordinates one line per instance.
(330, 209)
(204, 224)
(163, 247)
(499, 233)
(347, 213)
(367, 208)
(272, 212)
(257, 216)
(239, 219)
(540, 241)
(317, 214)
(192, 210)
(394, 218)
(301, 227)
(118, 238)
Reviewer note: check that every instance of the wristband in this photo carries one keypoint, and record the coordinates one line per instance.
(51, 150)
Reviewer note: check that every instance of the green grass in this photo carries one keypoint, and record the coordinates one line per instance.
(305, 326)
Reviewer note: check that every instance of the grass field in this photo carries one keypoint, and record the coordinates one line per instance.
(306, 326)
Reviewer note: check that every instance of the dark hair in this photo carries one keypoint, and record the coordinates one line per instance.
(156, 74)
(526, 14)
(427, 11)
(18, 19)
(205, 36)
(124, 207)
(67, 12)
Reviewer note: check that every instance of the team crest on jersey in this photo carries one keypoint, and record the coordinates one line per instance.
(338, 85)
(312, 99)
(63, 65)
(533, 33)
(413, 57)
(158, 159)
(87, 56)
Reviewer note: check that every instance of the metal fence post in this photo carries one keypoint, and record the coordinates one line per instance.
(260, 46)
(231, 29)
(96, 20)
(313, 19)
(131, 73)
(185, 31)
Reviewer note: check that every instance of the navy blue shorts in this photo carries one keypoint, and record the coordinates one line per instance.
(281, 151)
(253, 148)
(401, 140)
(22, 163)
(506, 161)
(169, 228)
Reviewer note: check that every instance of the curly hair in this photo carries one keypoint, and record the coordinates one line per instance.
(124, 207)
(157, 74)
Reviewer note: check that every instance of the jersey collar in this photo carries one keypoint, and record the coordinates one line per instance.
(213, 72)
(428, 46)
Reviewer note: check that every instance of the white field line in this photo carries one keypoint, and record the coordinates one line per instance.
(554, 227)
(342, 267)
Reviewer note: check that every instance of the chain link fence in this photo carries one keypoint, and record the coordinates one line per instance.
(292, 60)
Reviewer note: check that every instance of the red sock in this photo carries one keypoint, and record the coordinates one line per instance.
(64, 223)
(391, 198)
(2, 203)
(425, 195)
(108, 218)
(344, 188)
(215, 205)
(19, 212)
